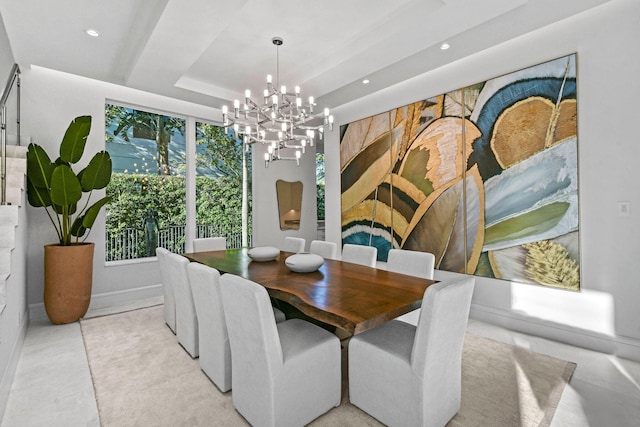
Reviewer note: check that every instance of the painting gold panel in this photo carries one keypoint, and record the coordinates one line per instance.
(484, 177)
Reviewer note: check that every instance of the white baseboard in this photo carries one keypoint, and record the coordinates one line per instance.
(625, 347)
(9, 372)
(106, 300)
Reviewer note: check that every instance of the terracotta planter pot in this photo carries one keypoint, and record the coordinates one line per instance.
(68, 273)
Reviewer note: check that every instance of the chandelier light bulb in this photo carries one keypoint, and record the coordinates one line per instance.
(281, 120)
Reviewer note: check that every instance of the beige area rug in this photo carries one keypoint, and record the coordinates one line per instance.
(142, 376)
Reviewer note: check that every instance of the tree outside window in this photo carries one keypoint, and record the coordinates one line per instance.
(148, 207)
(223, 184)
(148, 187)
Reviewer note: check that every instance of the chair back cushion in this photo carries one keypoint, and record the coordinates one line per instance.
(413, 263)
(437, 348)
(215, 352)
(205, 286)
(327, 250)
(186, 320)
(255, 346)
(359, 254)
(162, 263)
(294, 244)
(209, 244)
(167, 290)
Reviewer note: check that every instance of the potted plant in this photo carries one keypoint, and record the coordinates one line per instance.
(54, 186)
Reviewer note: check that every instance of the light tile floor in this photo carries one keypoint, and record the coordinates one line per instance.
(53, 387)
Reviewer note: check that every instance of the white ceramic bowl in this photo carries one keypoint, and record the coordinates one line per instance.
(263, 253)
(304, 262)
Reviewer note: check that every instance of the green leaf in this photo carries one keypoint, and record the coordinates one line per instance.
(38, 197)
(92, 212)
(97, 174)
(65, 186)
(77, 229)
(75, 138)
(39, 166)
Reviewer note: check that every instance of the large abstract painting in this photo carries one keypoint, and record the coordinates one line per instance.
(484, 177)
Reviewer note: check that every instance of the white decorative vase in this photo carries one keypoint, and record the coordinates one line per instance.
(263, 253)
(304, 262)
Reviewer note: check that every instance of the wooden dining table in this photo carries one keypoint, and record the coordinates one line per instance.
(349, 296)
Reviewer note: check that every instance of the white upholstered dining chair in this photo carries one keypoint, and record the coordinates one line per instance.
(186, 320)
(359, 254)
(406, 375)
(283, 375)
(327, 250)
(294, 244)
(203, 244)
(412, 263)
(167, 290)
(213, 338)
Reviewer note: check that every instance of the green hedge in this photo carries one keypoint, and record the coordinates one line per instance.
(218, 202)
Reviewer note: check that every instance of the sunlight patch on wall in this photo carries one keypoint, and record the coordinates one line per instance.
(588, 310)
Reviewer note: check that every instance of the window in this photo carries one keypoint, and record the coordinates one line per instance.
(320, 194)
(223, 186)
(148, 191)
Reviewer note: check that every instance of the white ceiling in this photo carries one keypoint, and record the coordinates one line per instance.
(210, 51)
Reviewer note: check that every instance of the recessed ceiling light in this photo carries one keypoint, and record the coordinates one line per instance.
(92, 32)
(444, 46)
(365, 82)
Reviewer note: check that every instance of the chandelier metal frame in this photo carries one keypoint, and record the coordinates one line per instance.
(280, 120)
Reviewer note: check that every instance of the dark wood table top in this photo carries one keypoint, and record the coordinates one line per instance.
(349, 296)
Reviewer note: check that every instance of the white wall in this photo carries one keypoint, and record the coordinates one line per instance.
(266, 222)
(604, 314)
(6, 56)
(50, 101)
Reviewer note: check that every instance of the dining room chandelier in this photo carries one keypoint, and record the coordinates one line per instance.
(281, 120)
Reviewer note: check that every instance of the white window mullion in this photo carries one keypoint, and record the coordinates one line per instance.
(190, 141)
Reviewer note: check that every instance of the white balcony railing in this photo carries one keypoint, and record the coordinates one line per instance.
(130, 243)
